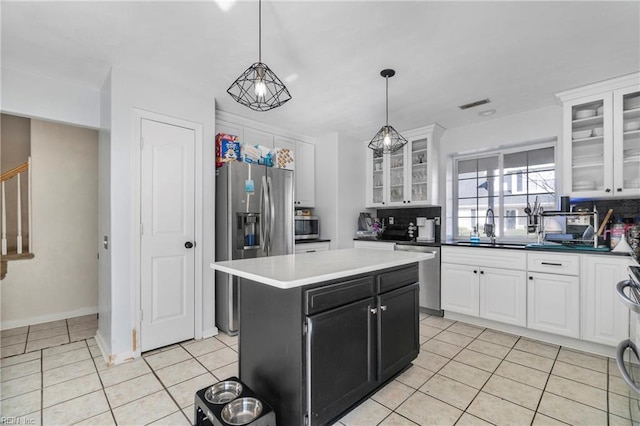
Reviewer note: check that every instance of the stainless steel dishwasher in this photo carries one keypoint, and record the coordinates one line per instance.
(429, 272)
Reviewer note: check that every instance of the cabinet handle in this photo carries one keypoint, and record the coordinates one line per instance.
(551, 263)
(607, 190)
(475, 272)
(383, 307)
(374, 311)
(619, 189)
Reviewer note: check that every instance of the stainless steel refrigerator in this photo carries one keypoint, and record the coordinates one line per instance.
(254, 218)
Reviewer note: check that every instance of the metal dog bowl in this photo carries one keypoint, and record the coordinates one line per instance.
(241, 411)
(223, 392)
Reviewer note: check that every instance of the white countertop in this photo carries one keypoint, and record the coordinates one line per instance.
(294, 270)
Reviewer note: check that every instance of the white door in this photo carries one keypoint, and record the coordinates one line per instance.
(168, 230)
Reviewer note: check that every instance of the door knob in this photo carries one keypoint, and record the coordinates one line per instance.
(189, 244)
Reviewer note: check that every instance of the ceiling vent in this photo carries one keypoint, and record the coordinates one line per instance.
(474, 104)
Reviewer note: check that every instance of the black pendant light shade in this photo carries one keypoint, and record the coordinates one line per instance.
(387, 140)
(258, 87)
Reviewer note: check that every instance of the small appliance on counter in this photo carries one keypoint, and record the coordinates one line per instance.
(426, 230)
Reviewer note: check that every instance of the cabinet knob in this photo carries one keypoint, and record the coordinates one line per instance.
(383, 307)
(619, 189)
(475, 271)
(531, 278)
(482, 272)
(374, 311)
(404, 202)
(607, 190)
(383, 202)
(409, 201)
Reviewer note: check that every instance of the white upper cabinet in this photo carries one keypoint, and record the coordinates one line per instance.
(601, 139)
(305, 174)
(408, 177)
(304, 154)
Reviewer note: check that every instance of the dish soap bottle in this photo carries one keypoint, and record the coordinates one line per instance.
(475, 237)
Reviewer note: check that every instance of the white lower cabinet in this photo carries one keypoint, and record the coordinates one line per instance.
(460, 288)
(553, 303)
(604, 319)
(312, 247)
(486, 291)
(503, 296)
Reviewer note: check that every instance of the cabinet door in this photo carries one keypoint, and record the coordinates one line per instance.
(398, 341)
(626, 141)
(230, 129)
(553, 304)
(258, 137)
(503, 296)
(340, 360)
(290, 144)
(588, 146)
(459, 286)
(604, 319)
(376, 179)
(305, 174)
(397, 169)
(418, 173)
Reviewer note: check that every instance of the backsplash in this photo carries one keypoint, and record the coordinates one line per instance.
(402, 217)
(628, 210)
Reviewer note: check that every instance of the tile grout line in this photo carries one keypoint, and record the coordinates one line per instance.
(102, 387)
(165, 388)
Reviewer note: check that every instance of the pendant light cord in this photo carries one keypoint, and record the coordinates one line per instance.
(259, 30)
(387, 97)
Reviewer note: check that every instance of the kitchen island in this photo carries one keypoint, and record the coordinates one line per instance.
(321, 331)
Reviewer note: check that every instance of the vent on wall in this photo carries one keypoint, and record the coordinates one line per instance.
(474, 104)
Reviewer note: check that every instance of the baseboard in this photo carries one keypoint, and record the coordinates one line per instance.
(210, 332)
(6, 325)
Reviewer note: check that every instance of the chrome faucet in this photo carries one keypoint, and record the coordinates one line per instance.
(490, 225)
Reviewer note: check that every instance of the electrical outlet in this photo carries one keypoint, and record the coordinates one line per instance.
(437, 220)
(391, 220)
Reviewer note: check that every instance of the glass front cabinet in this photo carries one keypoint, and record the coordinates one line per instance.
(601, 139)
(408, 177)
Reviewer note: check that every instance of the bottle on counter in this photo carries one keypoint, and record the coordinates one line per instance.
(475, 236)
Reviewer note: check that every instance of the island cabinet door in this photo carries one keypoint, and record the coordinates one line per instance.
(398, 339)
(340, 358)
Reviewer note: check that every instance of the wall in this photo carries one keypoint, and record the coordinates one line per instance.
(130, 92)
(340, 183)
(539, 124)
(41, 97)
(61, 281)
(16, 148)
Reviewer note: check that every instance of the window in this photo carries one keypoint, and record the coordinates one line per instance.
(504, 181)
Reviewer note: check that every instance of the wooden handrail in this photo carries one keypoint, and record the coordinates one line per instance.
(15, 171)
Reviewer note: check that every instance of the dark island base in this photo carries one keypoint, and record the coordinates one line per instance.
(315, 352)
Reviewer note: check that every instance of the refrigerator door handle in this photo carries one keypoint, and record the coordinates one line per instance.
(264, 202)
(272, 210)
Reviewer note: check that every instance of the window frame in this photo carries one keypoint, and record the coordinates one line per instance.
(500, 214)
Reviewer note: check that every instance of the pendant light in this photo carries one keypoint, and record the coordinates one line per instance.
(258, 87)
(387, 140)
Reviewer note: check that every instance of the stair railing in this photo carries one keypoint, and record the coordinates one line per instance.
(17, 173)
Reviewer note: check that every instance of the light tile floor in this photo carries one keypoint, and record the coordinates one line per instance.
(464, 375)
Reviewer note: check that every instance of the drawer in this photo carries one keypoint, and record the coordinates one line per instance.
(488, 257)
(311, 247)
(391, 280)
(378, 245)
(554, 263)
(330, 296)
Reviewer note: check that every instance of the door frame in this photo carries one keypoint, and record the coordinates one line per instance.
(139, 115)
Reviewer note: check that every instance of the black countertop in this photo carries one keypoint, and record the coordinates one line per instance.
(517, 246)
(315, 240)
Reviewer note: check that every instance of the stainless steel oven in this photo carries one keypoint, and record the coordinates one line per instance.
(307, 227)
(628, 352)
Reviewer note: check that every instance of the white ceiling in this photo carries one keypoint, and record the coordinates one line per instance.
(445, 54)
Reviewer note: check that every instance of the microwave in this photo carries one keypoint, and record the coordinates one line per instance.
(307, 227)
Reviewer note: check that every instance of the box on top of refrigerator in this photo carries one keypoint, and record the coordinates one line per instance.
(227, 148)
